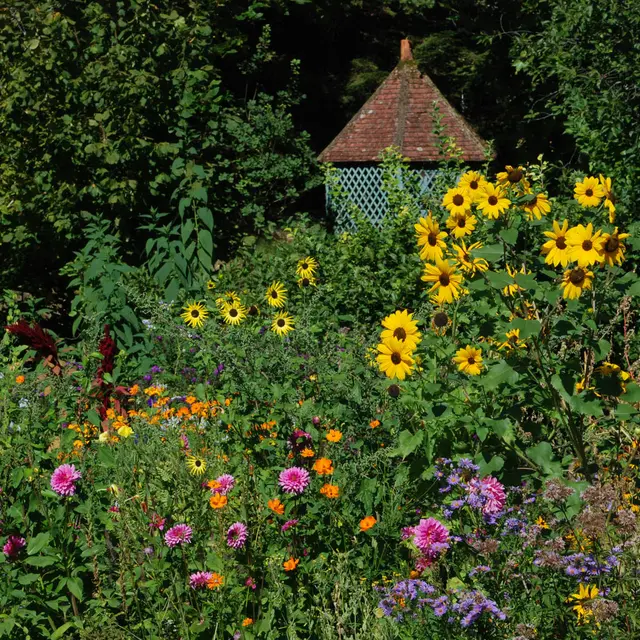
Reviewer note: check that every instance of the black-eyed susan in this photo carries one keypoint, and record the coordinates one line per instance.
(402, 326)
(282, 323)
(440, 322)
(589, 192)
(253, 310)
(430, 239)
(492, 201)
(575, 281)
(446, 283)
(457, 200)
(461, 224)
(228, 297)
(276, 295)
(394, 358)
(584, 245)
(197, 466)
(513, 177)
(613, 248)
(307, 281)
(512, 341)
(306, 267)
(211, 285)
(537, 207)
(609, 198)
(473, 182)
(233, 313)
(195, 313)
(469, 360)
(465, 260)
(556, 249)
(611, 379)
(512, 289)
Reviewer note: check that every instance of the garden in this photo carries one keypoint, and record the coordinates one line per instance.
(224, 415)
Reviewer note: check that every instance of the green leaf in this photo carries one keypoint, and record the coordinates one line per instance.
(40, 561)
(106, 457)
(207, 217)
(75, 586)
(634, 289)
(206, 242)
(492, 252)
(93, 417)
(510, 236)
(28, 578)
(60, 631)
(407, 443)
(499, 279)
(37, 544)
(542, 455)
(527, 328)
(499, 373)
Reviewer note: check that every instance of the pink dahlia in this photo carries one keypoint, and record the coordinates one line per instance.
(431, 537)
(288, 524)
(237, 535)
(226, 482)
(199, 579)
(63, 479)
(13, 546)
(294, 480)
(491, 492)
(180, 534)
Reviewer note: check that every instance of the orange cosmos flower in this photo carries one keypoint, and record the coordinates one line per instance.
(217, 501)
(215, 581)
(330, 490)
(334, 435)
(20, 379)
(134, 390)
(291, 564)
(367, 523)
(307, 453)
(323, 466)
(276, 506)
(374, 423)
(247, 622)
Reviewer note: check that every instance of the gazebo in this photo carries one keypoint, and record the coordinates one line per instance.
(400, 113)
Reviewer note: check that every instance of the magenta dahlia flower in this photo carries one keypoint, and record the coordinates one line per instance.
(237, 535)
(294, 480)
(180, 534)
(63, 480)
(199, 579)
(288, 524)
(487, 494)
(431, 537)
(13, 546)
(226, 482)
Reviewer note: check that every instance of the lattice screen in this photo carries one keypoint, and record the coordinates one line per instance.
(363, 184)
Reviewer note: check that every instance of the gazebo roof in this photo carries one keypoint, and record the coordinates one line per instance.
(400, 113)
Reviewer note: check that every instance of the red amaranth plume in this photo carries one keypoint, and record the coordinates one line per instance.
(107, 348)
(105, 393)
(38, 339)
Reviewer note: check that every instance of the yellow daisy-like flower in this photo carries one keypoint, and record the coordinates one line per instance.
(307, 281)
(585, 246)
(469, 360)
(461, 224)
(537, 207)
(467, 263)
(612, 247)
(512, 341)
(589, 192)
(125, 431)
(609, 198)
(512, 289)
(513, 177)
(575, 281)
(473, 182)
(430, 238)
(306, 267)
(457, 200)
(556, 249)
(492, 201)
(234, 313)
(440, 322)
(334, 435)
(402, 326)
(197, 466)
(195, 313)
(394, 358)
(447, 284)
(211, 285)
(228, 297)
(276, 295)
(282, 323)
(585, 595)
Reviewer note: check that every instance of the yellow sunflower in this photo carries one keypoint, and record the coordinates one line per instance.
(492, 201)
(197, 466)
(473, 182)
(228, 297)
(467, 263)
(307, 281)
(306, 267)
(575, 281)
(457, 200)
(430, 238)
(394, 358)
(513, 177)
(440, 322)
(276, 295)
(612, 248)
(589, 192)
(234, 313)
(461, 224)
(586, 594)
(469, 360)
(556, 249)
(402, 326)
(282, 323)
(512, 341)
(512, 289)
(609, 198)
(537, 207)
(585, 246)
(447, 284)
(195, 313)
(211, 285)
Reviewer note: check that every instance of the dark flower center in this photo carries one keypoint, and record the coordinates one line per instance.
(274, 294)
(394, 390)
(305, 282)
(577, 276)
(588, 192)
(471, 360)
(305, 265)
(587, 245)
(195, 313)
(253, 310)
(444, 279)
(473, 184)
(440, 319)
(612, 245)
(514, 176)
(396, 358)
(458, 200)
(233, 312)
(433, 239)
(198, 463)
(462, 222)
(493, 201)
(561, 243)
(400, 333)
(281, 322)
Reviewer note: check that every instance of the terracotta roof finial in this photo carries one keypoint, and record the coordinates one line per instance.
(405, 50)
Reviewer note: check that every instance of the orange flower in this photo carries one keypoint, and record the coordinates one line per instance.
(307, 453)
(367, 523)
(323, 466)
(19, 379)
(215, 581)
(334, 435)
(190, 399)
(217, 501)
(374, 423)
(227, 402)
(276, 506)
(213, 484)
(414, 574)
(134, 390)
(291, 564)
(247, 622)
(330, 490)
